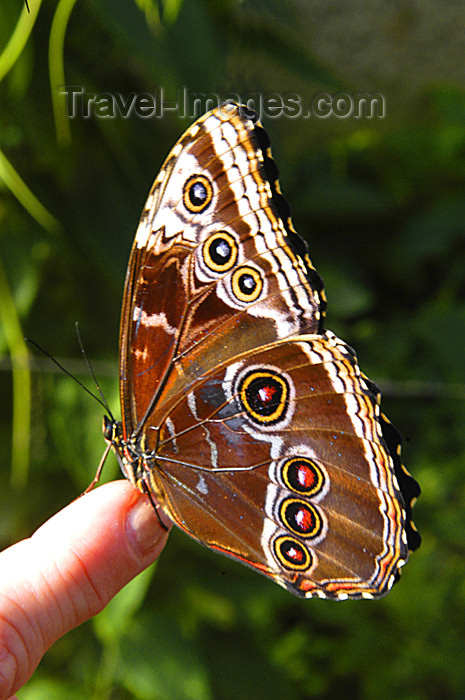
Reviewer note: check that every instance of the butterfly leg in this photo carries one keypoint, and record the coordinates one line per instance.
(155, 505)
(98, 473)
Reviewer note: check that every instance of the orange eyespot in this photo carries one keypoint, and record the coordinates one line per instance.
(302, 475)
(301, 518)
(220, 252)
(292, 554)
(247, 283)
(197, 193)
(264, 396)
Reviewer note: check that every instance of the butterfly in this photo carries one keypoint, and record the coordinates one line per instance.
(249, 424)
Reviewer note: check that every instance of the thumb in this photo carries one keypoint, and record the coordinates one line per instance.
(69, 570)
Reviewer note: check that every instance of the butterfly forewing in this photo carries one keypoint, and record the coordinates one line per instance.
(251, 426)
(180, 288)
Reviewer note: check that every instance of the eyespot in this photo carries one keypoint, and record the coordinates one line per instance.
(246, 283)
(291, 554)
(300, 517)
(220, 252)
(264, 396)
(302, 475)
(197, 193)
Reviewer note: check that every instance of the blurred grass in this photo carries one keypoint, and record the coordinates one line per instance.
(21, 414)
(57, 71)
(18, 38)
(24, 195)
(381, 203)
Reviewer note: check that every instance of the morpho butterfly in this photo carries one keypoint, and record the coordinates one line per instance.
(249, 424)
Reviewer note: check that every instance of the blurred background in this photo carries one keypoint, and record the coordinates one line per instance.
(381, 202)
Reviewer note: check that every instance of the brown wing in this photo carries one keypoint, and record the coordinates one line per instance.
(277, 458)
(254, 430)
(214, 225)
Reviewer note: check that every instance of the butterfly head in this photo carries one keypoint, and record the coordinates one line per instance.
(128, 457)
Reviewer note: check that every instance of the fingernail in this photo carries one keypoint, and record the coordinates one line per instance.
(143, 528)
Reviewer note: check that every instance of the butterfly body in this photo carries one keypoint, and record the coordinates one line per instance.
(252, 427)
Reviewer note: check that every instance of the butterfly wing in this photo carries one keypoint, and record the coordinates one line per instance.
(214, 253)
(254, 430)
(278, 458)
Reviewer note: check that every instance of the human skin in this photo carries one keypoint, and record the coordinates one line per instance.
(68, 571)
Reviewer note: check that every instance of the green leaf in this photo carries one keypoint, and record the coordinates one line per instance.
(158, 662)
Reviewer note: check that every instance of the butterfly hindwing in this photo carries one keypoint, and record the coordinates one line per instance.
(286, 440)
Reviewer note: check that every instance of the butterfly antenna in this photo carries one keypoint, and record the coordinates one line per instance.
(101, 401)
(92, 373)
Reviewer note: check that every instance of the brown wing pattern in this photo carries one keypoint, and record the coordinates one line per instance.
(175, 296)
(252, 427)
(222, 469)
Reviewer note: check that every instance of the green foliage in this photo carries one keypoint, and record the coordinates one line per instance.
(382, 205)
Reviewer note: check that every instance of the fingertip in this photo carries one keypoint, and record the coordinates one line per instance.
(92, 548)
(145, 531)
(113, 532)
(70, 569)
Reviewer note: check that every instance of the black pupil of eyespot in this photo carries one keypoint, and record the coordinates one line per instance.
(301, 517)
(220, 251)
(293, 552)
(197, 193)
(264, 395)
(247, 284)
(302, 476)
